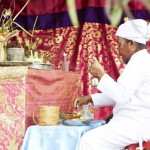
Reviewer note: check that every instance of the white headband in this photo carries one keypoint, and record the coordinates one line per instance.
(136, 30)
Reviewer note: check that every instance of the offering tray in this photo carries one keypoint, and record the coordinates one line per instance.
(79, 122)
(15, 63)
(68, 116)
(41, 66)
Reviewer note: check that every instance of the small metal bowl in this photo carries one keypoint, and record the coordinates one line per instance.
(41, 66)
(64, 115)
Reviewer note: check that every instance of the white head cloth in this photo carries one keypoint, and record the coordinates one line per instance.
(136, 30)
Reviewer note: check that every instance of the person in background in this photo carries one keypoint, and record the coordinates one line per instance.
(130, 94)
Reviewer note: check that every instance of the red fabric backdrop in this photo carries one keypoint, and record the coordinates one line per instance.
(56, 35)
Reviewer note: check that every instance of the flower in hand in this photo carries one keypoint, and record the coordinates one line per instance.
(96, 68)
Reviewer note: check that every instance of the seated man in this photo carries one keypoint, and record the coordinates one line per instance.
(130, 94)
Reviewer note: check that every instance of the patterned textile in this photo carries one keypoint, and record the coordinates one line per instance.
(54, 30)
(91, 42)
(12, 116)
(94, 36)
(79, 43)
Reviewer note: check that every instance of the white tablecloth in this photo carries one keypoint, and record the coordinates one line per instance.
(58, 137)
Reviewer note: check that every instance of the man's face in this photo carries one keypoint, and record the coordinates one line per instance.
(124, 49)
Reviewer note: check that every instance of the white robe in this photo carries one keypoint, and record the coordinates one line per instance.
(130, 96)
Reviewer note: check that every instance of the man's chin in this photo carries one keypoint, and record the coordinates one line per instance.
(126, 61)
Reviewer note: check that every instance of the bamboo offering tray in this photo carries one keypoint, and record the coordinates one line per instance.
(15, 63)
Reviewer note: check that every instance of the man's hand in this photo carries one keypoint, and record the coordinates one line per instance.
(82, 100)
(96, 69)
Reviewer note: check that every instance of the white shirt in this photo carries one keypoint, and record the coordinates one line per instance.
(130, 95)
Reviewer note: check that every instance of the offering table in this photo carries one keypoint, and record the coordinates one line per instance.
(56, 137)
(65, 136)
(22, 90)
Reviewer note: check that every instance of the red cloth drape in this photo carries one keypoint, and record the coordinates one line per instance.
(80, 44)
(94, 36)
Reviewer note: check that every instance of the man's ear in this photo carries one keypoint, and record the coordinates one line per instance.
(132, 45)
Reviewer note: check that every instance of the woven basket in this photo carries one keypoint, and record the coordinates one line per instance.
(47, 115)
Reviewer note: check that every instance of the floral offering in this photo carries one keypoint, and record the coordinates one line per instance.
(8, 29)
